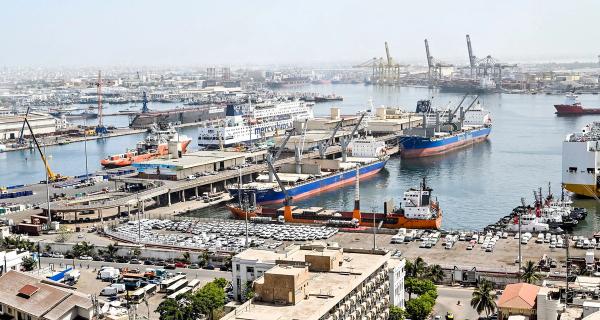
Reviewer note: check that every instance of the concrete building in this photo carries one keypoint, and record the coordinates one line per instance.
(192, 163)
(42, 124)
(11, 260)
(317, 282)
(25, 297)
(530, 301)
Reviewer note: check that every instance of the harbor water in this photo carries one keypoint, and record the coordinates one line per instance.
(475, 185)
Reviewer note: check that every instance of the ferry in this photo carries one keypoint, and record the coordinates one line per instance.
(245, 123)
(580, 169)
(418, 210)
(442, 133)
(368, 157)
(155, 145)
(572, 107)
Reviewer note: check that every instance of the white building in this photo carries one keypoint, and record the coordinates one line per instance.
(396, 273)
(42, 124)
(11, 260)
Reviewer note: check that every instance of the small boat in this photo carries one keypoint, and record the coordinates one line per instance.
(572, 107)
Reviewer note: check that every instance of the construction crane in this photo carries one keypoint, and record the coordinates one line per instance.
(100, 129)
(324, 145)
(434, 67)
(52, 176)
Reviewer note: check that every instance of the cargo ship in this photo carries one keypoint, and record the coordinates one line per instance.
(155, 145)
(437, 135)
(418, 210)
(328, 98)
(572, 107)
(580, 168)
(144, 120)
(368, 157)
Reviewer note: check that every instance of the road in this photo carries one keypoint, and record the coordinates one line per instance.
(447, 301)
(202, 274)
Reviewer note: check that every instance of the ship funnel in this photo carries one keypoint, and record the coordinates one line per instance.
(174, 149)
(356, 211)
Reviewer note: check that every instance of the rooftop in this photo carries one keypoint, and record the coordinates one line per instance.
(193, 159)
(39, 297)
(324, 289)
(519, 296)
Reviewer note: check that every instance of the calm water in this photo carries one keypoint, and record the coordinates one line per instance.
(475, 186)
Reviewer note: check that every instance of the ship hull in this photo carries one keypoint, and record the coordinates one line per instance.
(416, 147)
(574, 110)
(123, 162)
(392, 221)
(270, 196)
(584, 190)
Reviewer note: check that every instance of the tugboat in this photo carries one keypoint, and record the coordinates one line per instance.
(154, 146)
(572, 107)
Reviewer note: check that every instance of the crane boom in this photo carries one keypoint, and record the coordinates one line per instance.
(387, 54)
(51, 175)
(429, 57)
(23, 126)
(288, 199)
(357, 125)
(283, 143)
(471, 56)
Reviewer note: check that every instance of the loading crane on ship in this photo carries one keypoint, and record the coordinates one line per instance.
(288, 135)
(52, 176)
(346, 142)
(287, 202)
(324, 145)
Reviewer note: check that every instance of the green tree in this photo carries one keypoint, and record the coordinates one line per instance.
(529, 273)
(210, 298)
(83, 248)
(28, 263)
(181, 308)
(221, 282)
(397, 313)
(419, 287)
(483, 298)
(416, 268)
(47, 248)
(186, 257)
(203, 259)
(248, 291)
(64, 234)
(418, 309)
(435, 273)
(111, 249)
(136, 252)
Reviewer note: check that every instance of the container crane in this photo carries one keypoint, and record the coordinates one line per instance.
(472, 58)
(434, 67)
(52, 176)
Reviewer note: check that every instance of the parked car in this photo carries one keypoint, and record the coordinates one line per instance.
(194, 266)
(209, 267)
(84, 257)
(180, 265)
(170, 266)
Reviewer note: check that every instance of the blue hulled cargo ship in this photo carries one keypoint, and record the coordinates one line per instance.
(441, 132)
(317, 175)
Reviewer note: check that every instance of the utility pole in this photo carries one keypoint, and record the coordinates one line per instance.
(138, 220)
(520, 214)
(567, 276)
(48, 193)
(85, 149)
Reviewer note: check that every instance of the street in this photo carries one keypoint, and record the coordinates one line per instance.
(447, 301)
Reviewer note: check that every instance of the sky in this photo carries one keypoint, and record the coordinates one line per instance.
(259, 32)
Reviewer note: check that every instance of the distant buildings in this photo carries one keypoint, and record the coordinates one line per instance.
(317, 282)
(26, 297)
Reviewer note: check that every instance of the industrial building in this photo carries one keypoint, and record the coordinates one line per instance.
(195, 162)
(317, 282)
(11, 125)
(23, 296)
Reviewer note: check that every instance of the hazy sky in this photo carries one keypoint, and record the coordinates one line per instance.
(172, 32)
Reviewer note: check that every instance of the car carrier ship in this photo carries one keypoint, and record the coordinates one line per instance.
(580, 156)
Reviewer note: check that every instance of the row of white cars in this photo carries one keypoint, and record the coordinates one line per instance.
(553, 240)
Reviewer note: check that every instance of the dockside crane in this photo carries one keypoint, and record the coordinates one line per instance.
(472, 58)
(434, 67)
(287, 137)
(52, 176)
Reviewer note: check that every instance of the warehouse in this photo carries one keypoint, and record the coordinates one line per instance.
(42, 124)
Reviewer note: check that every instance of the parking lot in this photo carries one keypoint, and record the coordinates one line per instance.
(219, 235)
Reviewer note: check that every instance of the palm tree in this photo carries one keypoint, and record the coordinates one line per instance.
(186, 257)
(419, 266)
(435, 273)
(529, 273)
(483, 299)
(112, 249)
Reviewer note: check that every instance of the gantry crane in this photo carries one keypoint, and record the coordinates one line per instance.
(434, 66)
(487, 67)
(384, 70)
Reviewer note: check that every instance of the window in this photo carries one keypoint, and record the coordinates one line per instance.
(250, 269)
(237, 267)
(572, 169)
(590, 170)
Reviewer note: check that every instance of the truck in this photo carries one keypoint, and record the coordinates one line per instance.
(108, 274)
(119, 286)
(109, 291)
(72, 276)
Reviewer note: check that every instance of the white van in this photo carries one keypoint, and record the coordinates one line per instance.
(109, 291)
(119, 286)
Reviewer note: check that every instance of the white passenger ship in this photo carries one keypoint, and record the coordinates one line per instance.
(246, 123)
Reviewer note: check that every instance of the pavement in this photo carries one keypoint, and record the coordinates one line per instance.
(447, 301)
